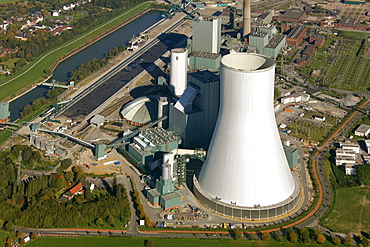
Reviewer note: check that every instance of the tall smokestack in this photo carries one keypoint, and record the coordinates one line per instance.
(246, 17)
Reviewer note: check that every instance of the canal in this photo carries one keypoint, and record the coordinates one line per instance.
(98, 50)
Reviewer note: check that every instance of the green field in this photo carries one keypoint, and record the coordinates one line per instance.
(160, 242)
(7, 1)
(4, 235)
(33, 72)
(351, 211)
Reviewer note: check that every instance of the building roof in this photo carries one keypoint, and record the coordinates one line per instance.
(158, 135)
(258, 34)
(205, 76)
(154, 193)
(170, 196)
(139, 110)
(275, 41)
(264, 15)
(289, 149)
(363, 128)
(76, 188)
(296, 32)
(205, 54)
(292, 14)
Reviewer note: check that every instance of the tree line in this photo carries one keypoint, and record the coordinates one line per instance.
(89, 67)
(37, 104)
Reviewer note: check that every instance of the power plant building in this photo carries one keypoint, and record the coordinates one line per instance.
(259, 40)
(240, 178)
(201, 60)
(194, 116)
(276, 43)
(207, 34)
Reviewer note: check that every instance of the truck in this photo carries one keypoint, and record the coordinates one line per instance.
(117, 162)
(288, 110)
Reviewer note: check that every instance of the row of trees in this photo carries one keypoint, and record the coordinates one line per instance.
(89, 67)
(304, 235)
(51, 98)
(139, 207)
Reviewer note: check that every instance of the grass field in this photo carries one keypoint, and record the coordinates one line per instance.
(4, 235)
(351, 211)
(7, 1)
(161, 242)
(44, 61)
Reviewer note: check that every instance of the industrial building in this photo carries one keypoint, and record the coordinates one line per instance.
(194, 115)
(295, 98)
(291, 156)
(294, 15)
(259, 40)
(4, 112)
(267, 43)
(206, 34)
(295, 36)
(363, 130)
(275, 45)
(140, 111)
(164, 193)
(202, 60)
(151, 142)
(240, 178)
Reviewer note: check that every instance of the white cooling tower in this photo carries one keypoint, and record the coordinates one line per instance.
(246, 174)
(179, 69)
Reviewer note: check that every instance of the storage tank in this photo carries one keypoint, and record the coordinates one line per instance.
(179, 69)
(246, 174)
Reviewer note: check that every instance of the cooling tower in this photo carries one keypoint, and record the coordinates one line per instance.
(246, 174)
(179, 69)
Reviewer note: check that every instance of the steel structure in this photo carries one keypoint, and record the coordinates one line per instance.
(246, 173)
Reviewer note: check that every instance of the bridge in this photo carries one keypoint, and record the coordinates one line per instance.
(84, 143)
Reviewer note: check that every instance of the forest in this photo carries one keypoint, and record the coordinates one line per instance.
(34, 202)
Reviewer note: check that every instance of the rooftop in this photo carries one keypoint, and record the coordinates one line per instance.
(258, 34)
(170, 196)
(296, 32)
(275, 41)
(293, 14)
(205, 76)
(363, 128)
(154, 193)
(205, 54)
(159, 135)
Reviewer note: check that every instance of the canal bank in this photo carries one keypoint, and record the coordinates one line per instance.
(33, 73)
(98, 48)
